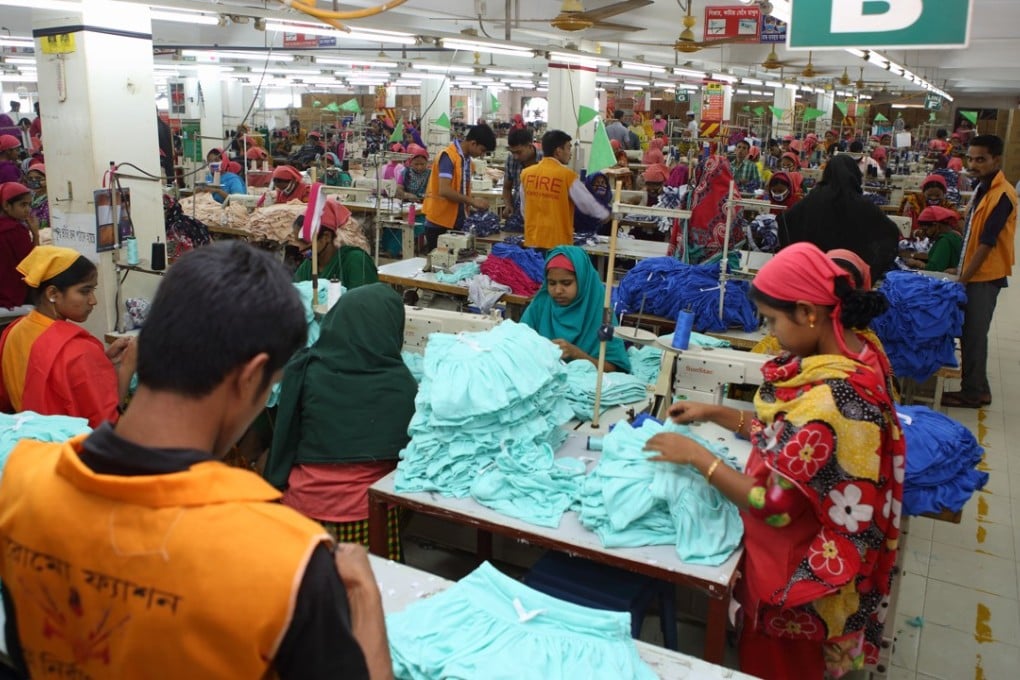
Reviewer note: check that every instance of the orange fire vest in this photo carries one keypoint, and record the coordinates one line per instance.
(999, 262)
(191, 574)
(438, 210)
(548, 210)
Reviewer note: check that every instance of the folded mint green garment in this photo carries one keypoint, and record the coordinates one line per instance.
(617, 388)
(645, 362)
(629, 501)
(492, 627)
(698, 339)
(415, 363)
(462, 271)
(31, 425)
(304, 289)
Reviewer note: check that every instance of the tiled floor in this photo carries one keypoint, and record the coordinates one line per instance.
(959, 609)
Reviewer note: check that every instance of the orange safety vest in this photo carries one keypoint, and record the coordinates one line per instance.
(999, 262)
(548, 210)
(191, 574)
(438, 210)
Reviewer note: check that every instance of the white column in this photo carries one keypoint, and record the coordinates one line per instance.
(209, 107)
(435, 101)
(570, 87)
(785, 100)
(825, 102)
(391, 97)
(98, 107)
(727, 107)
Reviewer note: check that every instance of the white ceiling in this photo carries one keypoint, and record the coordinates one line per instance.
(987, 67)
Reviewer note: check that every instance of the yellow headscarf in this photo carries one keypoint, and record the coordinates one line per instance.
(45, 262)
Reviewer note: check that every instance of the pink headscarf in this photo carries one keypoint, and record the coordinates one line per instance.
(955, 164)
(415, 150)
(655, 173)
(11, 190)
(653, 157)
(334, 214)
(859, 264)
(657, 143)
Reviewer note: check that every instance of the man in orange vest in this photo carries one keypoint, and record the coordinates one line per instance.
(549, 192)
(448, 192)
(986, 261)
(134, 552)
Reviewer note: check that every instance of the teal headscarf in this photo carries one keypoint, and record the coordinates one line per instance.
(577, 323)
(349, 397)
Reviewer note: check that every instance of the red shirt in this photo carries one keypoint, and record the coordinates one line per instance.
(15, 245)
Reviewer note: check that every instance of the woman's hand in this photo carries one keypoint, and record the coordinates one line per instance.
(683, 412)
(570, 351)
(675, 448)
(117, 349)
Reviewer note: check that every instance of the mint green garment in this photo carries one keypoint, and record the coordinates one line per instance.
(617, 388)
(415, 363)
(491, 626)
(645, 363)
(304, 289)
(40, 428)
(578, 323)
(351, 265)
(462, 271)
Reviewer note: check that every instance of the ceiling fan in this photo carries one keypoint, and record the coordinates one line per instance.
(809, 69)
(573, 16)
(687, 42)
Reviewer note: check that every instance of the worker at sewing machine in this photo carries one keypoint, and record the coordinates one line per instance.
(347, 263)
(568, 309)
(413, 181)
(289, 186)
(820, 495)
(230, 182)
(448, 193)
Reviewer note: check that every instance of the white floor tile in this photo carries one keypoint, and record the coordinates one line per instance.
(898, 673)
(921, 528)
(986, 507)
(917, 556)
(973, 569)
(987, 617)
(974, 534)
(950, 654)
(999, 482)
(908, 640)
(910, 602)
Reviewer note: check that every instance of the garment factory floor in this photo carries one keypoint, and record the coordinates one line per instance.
(958, 615)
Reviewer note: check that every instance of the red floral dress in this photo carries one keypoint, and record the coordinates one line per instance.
(822, 530)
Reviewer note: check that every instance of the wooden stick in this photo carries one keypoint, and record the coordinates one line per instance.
(607, 310)
(315, 260)
(730, 208)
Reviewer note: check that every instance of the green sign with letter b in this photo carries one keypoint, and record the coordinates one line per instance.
(915, 24)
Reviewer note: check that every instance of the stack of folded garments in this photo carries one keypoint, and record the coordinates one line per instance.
(919, 329)
(489, 409)
(645, 362)
(629, 501)
(530, 261)
(664, 286)
(508, 273)
(40, 428)
(459, 272)
(482, 223)
(941, 456)
(617, 388)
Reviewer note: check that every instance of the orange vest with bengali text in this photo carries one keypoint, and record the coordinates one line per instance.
(548, 210)
(190, 574)
(438, 210)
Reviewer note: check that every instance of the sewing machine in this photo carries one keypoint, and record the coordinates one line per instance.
(702, 373)
(450, 249)
(247, 200)
(421, 322)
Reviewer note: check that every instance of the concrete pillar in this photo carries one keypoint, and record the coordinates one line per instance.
(391, 96)
(826, 102)
(785, 100)
(727, 107)
(570, 87)
(435, 101)
(98, 107)
(209, 107)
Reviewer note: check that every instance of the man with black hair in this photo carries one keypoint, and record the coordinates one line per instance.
(985, 264)
(161, 560)
(618, 130)
(523, 154)
(448, 193)
(745, 171)
(549, 192)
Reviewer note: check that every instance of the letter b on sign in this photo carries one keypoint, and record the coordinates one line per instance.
(837, 24)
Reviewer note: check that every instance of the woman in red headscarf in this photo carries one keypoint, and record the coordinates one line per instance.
(934, 192)
(289, 186)
(821, 493)
(784, 190)
(339, 257)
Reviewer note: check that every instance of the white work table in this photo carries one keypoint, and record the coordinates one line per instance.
(401, 586)
(409, 274)
(571, 536)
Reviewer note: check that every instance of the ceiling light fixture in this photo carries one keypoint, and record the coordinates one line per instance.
(579, 59)
(488, 48)
(363, 34)
(184, 17)
(55, 5)
(645, 68)
(355, 62)
(725, 77)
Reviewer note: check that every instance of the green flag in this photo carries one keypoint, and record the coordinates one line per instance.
(776, 111)
(811, 114)
(494, 101)
(879, 118)
(747, 108)
(398, 132)
(351, 105)
(759, 110)
(585, 115)
(443, 121)
(316, 104)
(843, 108)
(332, 107)
(602, 155)
(970, 115)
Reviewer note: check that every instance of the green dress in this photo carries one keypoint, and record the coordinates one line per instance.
(945, 252)
(351, 265)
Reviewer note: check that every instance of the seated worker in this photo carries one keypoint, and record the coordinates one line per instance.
(19, 233)
(231, 182)
(35, 179)
(939, 225)
(654, 178)
(213, 156)
(940, 144)
(52, 366)
(289, 186)
(790, 162)
(783, 190)
(745, 170)
(448, 194)
(550, 191)
(868, 166)
(10, 152)
(523, 154)
(254, 590)
(414, 180)
(933, 193)
(335, 173)
(351, 265)
(345, 405)
(255, 156)
(568, 309)
(622, 162)
(598, 186)
(389, 170)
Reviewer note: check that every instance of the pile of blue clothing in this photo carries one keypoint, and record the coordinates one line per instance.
(514, 223)
(941, 457)
(920, 328)
(487, 420)
(482, 223)
(629, 501)
(31, 425)
(666, 286)
(617, 389)
(529, 260)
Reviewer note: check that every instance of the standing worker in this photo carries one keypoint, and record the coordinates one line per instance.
(449, 188)
(549, 193)
(987, 261)
(617, 131)
(523, 154)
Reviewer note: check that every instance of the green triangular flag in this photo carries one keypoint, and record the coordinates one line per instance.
(585, 115)
(811, 114)
(494, 101)
(747, 108)
(316, 104)
(879, 118)
(351, 105)
(332, 107)
(776, 111)
(843, 108)
(759, 110)
(602, 155)
(443, 121)
(932, 116)
(970, 115)
(398, 132)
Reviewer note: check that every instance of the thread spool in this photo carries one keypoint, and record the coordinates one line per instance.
(332, 293)
(684, 326)
(158, 256)
(131, 244)
(594, 443)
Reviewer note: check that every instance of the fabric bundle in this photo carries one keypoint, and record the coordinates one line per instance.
(275, 222)
(919, 329)
(530, 261)
(492, 626)
(645, 362)
(668, 286)
(204, 208)
(460, 272)
(509, 273)
(629, 501)
(941, 455)
(617, 388)
(489, 408)
(482, 223)
(40, 428)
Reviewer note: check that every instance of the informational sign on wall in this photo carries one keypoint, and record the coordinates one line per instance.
(306, 40)
(933, 102)
(732, 23)
(772, 29)
(712, 105)
(913, 24)
(76, 231)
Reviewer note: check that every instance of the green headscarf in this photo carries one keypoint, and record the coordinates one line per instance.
(578, 323)
(349, 397)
